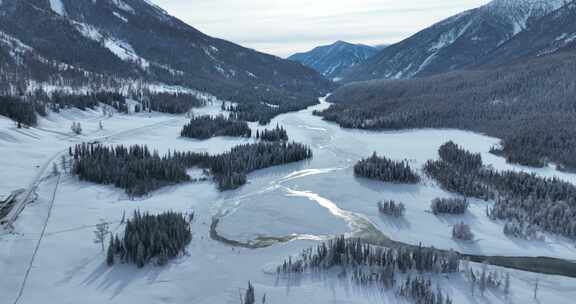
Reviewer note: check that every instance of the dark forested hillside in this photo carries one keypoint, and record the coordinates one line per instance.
(529, 105)
(465, 40)
(110, 43)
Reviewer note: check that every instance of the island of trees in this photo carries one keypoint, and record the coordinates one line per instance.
(276, 134)
(139, 171)
(204, 127)
(151, 238)
(386, 170)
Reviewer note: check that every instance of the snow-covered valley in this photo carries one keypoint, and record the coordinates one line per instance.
(305, 203)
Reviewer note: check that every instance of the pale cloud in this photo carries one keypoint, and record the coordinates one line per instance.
(282, 27)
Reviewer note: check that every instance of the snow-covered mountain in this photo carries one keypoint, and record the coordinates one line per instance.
(84, 40)
(555, 32)
(458, 42)
(332, 60)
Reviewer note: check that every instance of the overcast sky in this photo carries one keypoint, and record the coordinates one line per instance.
(282, 27)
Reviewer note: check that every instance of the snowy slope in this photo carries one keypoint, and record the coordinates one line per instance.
(458, 42)
(332, 60)
(134, 39)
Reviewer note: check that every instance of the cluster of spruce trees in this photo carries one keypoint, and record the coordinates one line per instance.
(173, 103)
(451, 171)
(59, 100)
(262, 109)
(139, 171)
(230, 168)
(384, 169)
(421, 291)
(462, 231)
(525, 200)
(150, 238)
(391, 208)
(276, 134)
(343, 252)
(375, 266)
(204, 127)
(134, 168)
(449, 206)
(19, 110)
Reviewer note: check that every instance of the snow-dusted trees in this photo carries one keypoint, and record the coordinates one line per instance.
(384, 169)
(139, 171)
(391, 208)
(449, 206)
(462, 231)
(174, 103)
(19, 110)
(455, 155)
(148, 238)
(230, 168)
(204, 127)
(421, 291)
(379, 267)
(134, 168)
(76, 128)
(357, 252)
(527, 202)
(276, 134)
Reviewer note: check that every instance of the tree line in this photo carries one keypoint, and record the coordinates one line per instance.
(230, 168)
(374, 266)
(139, 171)
(206, 126)
(151, 238)
(173, 103)
(523, 200)
(276, 134)
(386, 170)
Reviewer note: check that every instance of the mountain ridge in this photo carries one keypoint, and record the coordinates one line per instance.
(458, 42)
(331, 60)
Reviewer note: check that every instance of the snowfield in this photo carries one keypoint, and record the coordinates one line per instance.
(308, 202)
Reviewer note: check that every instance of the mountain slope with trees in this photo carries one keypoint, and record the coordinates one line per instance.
(461, 41)
(108, 42)
(332, 60)
(529, 105)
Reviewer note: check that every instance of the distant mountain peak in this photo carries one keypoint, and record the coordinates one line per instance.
(331, 60)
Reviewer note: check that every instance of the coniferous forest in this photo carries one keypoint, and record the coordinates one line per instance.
(21, 112)
(378, 266)
(173, 103)
(204, 127)
(386, 170)
(151, 238)
(524, 201)
(139, 171)
(276, 134)
(485, 100)
(230, 168)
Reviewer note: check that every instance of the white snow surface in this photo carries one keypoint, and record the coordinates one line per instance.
(58, 7)
(312, 200)
(121, 49)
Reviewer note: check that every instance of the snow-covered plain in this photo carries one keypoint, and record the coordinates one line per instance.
(311, 201)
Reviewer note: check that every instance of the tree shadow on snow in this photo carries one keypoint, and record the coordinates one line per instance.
(119, 276)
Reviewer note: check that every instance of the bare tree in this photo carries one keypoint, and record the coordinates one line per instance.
(102, 229)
